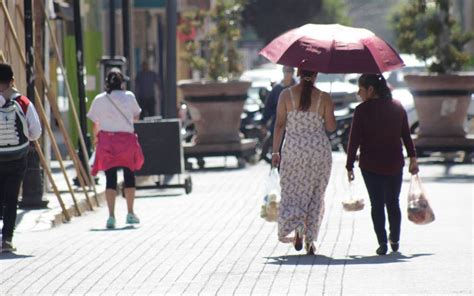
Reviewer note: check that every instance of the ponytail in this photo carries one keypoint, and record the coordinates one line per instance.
(307, 89)
(114, 80)
(378, 82)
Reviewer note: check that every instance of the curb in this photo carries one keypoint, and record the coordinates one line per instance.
(58, 218)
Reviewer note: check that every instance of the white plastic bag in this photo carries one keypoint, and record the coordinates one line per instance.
(271, 201)
(419, 209)
(353, 204)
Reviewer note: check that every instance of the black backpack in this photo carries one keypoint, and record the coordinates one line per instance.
(14, 143)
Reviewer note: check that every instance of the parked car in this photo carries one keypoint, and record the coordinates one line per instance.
(404, 96)
(342, 92)
(264, 76)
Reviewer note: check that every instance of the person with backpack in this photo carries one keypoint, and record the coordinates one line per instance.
(19, 124)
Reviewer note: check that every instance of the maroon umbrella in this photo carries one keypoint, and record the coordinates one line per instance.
(333, 49)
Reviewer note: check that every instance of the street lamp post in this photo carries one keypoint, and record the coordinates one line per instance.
(126, 37)
(112, 28)
(80, 83)
(170, 99)
(32, 196)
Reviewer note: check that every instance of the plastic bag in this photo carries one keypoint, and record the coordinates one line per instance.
(419, 210)
(271, 201)
(353, 204)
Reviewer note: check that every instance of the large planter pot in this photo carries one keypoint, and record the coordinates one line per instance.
(441, 102)
(215, 108)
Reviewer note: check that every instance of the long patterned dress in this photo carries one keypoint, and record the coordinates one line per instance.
(304, 171)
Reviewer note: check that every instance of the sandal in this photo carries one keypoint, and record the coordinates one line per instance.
(298, 238)
(310, 248)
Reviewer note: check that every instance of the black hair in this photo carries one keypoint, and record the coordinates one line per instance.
(114, 80)
(378, 82)
(307, 83)
(6, 73)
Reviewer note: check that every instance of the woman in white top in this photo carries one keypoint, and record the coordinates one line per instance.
(113, 113)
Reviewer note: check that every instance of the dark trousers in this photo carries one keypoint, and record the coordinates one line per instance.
(11, 176)
(384, 191)
(111, 178)
(148, 107)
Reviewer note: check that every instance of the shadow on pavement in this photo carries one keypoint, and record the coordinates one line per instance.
(464, 173)
(8, 256)
(215, 169)
(128, 227)
(354, 259)
(19, 216)
(154, 195)
(459, 178)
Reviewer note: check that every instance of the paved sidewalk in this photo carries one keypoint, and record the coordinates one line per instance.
(42, 219)
(213, 242)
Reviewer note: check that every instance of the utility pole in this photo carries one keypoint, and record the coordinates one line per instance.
(112, 28)
(170, 99)
(32, 196)
(80, 82)
(126, 38)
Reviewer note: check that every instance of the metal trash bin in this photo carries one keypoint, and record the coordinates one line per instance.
(160, 140)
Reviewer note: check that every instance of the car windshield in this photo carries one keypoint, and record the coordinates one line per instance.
(397, 78)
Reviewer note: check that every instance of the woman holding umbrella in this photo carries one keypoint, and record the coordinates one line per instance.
(378, 126)
(304, 113)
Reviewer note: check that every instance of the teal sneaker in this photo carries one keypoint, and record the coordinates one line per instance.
(110, 223)
(132, 219)
(7, 247)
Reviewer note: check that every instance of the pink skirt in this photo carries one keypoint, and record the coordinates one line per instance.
(117, 149)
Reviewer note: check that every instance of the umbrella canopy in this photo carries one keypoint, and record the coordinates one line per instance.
(333, 49)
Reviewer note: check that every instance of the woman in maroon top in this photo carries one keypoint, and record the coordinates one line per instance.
(378, 128)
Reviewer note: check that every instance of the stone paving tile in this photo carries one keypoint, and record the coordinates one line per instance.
(213, 242)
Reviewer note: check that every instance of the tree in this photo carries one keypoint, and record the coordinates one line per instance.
(428, 30)
(219, 42)
(270, 18)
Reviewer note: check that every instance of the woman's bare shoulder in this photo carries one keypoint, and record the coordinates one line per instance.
(325, 97)
(285, 94)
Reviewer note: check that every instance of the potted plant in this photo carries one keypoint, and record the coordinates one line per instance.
(216, 101)
(442, 96)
